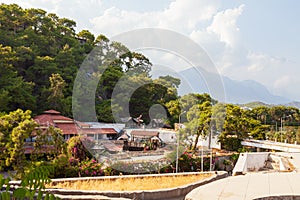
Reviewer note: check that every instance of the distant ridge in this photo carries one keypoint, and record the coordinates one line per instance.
(237, 92)
(293, 104)
(256, 104)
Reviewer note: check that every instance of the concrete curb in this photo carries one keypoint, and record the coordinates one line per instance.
(280, 197)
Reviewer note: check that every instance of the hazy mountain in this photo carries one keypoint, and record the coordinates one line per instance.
(255, 104)
(293, 104)
(199, 80)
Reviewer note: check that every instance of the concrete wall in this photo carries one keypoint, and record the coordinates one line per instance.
(255, 161)
(250, 162)
(214, 142)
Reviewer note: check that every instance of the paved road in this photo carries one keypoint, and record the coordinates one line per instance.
(252, 185)
(248, 187)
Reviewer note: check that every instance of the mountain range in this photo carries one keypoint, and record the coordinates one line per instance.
(199, 80)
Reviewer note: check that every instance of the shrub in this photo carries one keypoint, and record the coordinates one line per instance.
(63, 168)
(90, 168)
(77, 148)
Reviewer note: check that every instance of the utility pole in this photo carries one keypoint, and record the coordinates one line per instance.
(202, 157)
(281, 125)
(202, 152)
(210, 146)
(281, 129)
(177, 149)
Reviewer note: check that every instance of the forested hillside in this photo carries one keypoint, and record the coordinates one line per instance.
(40, 54)
(33, 46)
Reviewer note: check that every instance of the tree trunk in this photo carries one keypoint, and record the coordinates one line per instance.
(196, 142)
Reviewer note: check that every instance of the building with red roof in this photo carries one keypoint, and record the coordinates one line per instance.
(70, 127)
(54, 118)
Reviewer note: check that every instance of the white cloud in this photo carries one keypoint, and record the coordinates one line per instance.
(261, 61)
(221, 40)
(181, 15)
(188, 13)
(114, 21)
(224, 25)
(216, 31)
(77, 10)
(50, 6)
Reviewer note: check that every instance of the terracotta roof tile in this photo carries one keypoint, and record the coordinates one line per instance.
(67, 128)
(49, 118)
(144, 133)
(97, 131)
(54, 112)
(68, 125)
(53, 118)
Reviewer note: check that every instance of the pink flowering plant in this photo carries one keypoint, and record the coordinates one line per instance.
(90, 168)
(73, 161)
(77, 148)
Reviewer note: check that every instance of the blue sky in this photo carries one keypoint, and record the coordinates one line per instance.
(246, 39)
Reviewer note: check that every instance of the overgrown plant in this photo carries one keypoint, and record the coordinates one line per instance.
(49, 141)
(15, 127)
(32, 186)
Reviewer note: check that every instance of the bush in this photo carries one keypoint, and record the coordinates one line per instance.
(77, 148)
(63, 168)
(231, 144)
(188, 162)
(90, 168)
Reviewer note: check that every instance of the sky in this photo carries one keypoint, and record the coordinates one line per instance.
(246, 39)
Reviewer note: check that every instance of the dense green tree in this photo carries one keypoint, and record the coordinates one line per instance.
(56, 90)
(25, 58)
(14, 91)
(15, 127)
(49, 141)
(135, 63)
(238, 126)
(199, 118)
(12, 18)
(41, 44)
(108, 81)
(88, 39)
(189, 100)
(41, 70)
(218, 117)
(87, 35)
(174, 110)
(105, 109)
(165, 88)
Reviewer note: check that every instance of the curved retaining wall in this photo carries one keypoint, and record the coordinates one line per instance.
(166, 194)
(280, 197)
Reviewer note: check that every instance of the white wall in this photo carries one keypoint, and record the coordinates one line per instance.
(250, 162)
(205, 142)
